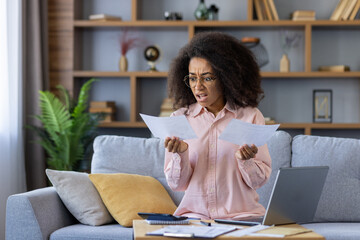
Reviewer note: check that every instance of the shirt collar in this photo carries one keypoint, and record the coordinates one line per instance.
(196, 109)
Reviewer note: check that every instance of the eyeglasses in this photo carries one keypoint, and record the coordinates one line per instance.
(191, 81)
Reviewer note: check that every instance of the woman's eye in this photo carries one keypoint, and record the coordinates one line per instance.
(192, 79)
(208, 79)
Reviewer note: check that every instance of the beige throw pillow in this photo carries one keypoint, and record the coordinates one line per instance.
(127, 194)
(80, 197)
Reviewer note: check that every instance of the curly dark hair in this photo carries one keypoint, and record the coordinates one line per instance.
(233, 64)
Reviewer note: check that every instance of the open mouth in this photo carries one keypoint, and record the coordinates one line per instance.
(202, 96)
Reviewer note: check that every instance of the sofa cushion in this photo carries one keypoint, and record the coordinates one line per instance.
(85, 232)
(280, 151)
(80, 197)
(127, 194)
(339, 200)
(144, 156)
(336, 231)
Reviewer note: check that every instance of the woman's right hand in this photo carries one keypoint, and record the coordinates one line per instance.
(175, 145)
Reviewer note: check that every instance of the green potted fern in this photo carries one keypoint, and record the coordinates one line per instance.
(67, 128)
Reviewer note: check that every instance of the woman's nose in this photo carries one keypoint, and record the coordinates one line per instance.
(198, 83)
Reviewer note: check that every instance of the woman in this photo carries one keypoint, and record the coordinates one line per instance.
(213, 80)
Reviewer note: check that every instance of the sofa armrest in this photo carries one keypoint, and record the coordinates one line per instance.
(35, 214)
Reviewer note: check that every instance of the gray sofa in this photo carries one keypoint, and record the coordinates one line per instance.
(40, 214)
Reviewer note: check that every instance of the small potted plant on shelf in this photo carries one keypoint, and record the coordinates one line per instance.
(127, 43)
(67, 130)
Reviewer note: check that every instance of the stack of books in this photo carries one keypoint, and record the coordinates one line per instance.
(104, 17)
(303, 15)
(269, 120)
(107, 108)
(265, 10)
(346, 10)
(166, 108)
(334, 68)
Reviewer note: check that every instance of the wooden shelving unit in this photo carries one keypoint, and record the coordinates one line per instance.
(65, 23)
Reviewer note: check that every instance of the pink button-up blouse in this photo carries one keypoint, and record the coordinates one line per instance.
(216, 183)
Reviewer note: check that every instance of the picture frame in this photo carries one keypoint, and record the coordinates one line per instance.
(322, 106)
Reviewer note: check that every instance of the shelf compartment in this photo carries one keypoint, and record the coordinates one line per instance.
(88, 74)
(239, 23)
(84, 74)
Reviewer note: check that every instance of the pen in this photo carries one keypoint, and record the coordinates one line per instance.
(205, 223)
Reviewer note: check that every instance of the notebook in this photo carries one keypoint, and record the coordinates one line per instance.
(294, 197)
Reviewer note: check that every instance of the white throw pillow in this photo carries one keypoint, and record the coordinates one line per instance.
(80, 197)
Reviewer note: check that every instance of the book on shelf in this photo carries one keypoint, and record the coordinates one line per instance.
(101, 104)
(102, 110)
(334, 68)
(273, 10)
(258, 10)
(103, 17)
(166, 108)
(108, 118)
(348, 9)
(265, 10)
(302, 15)
(303, 19)
(269, 120)
(338, 11)
(355, 10)
(106, 108)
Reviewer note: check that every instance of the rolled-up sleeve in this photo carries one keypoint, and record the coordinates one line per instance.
(177, 170)
(256, 171)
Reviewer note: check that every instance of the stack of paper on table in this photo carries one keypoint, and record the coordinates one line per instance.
(192, 231)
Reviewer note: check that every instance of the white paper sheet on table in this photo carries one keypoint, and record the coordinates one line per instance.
(163, 127)
(193, 231)
(247, 231)
(240, 133)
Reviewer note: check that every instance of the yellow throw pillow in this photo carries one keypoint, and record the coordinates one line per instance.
(125, 195)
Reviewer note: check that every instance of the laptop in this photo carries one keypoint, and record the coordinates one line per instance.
(294, 197)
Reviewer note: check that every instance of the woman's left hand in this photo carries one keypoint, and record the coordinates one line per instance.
(245, 152)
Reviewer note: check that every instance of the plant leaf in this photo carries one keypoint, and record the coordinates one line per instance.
(83, 99)
(54, 115)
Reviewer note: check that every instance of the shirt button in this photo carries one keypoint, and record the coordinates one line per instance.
(177, 170)
(213, 210)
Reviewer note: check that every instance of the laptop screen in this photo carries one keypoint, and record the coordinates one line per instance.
(295, 195)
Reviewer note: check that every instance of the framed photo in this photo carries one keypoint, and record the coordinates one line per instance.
(322, 106)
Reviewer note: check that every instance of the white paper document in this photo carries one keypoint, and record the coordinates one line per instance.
(163, 127)
(191, 231)
(240, 133)
(247, 231)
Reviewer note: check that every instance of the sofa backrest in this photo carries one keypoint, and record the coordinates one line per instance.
(280, 151)
(339, 200)
(145, 156)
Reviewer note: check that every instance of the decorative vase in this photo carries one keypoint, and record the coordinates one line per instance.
(201, 12)
(123, 64)
(284, 63)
